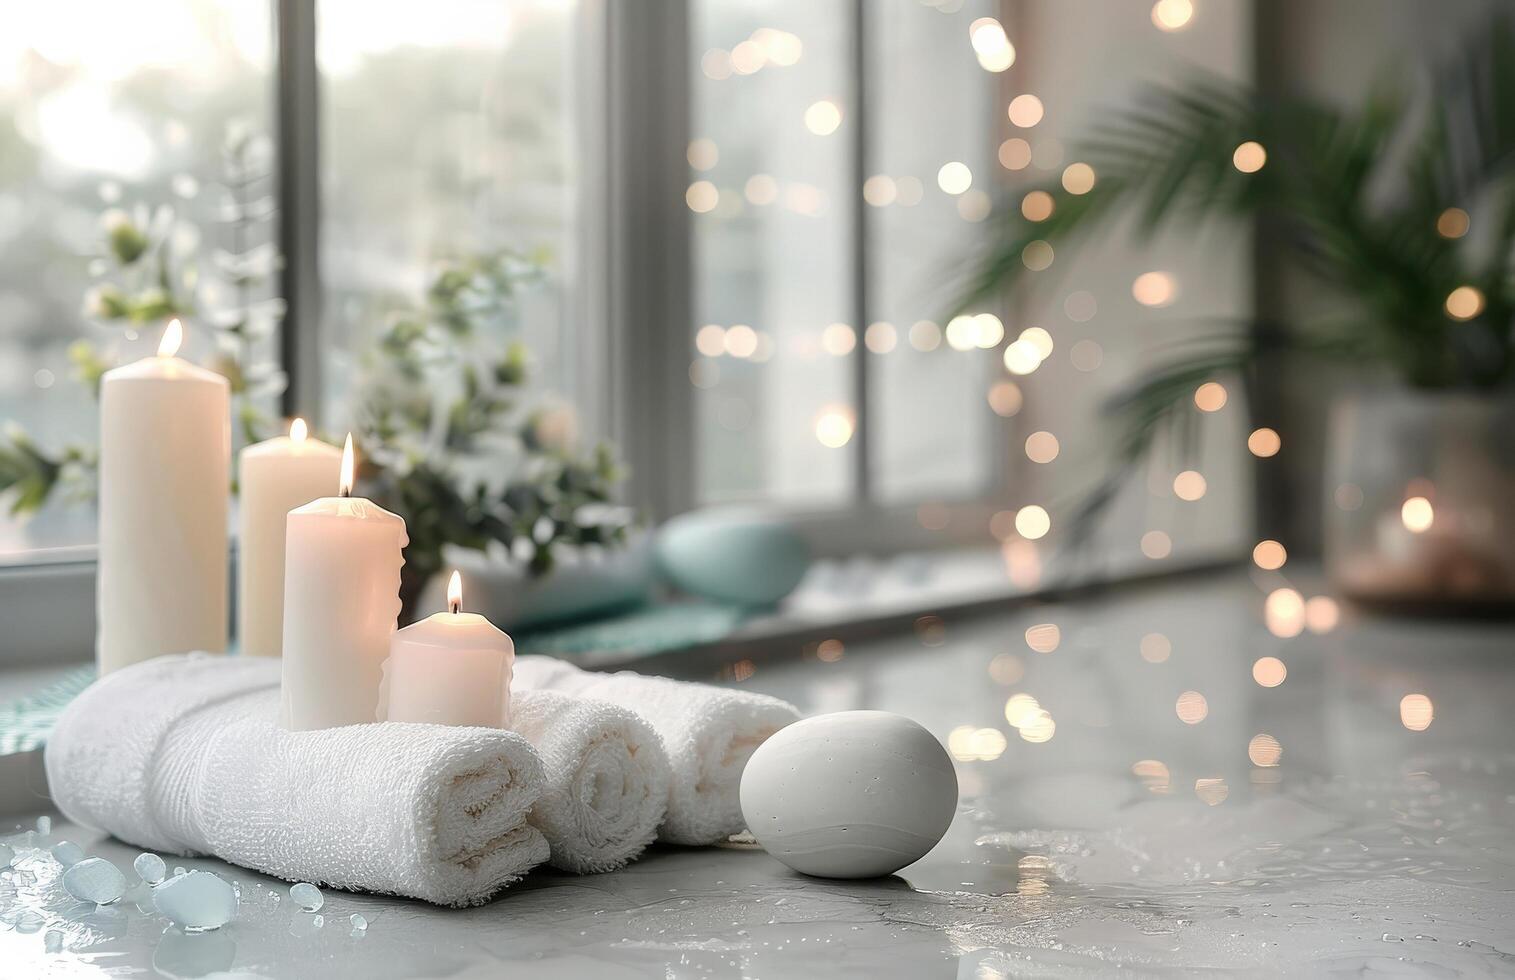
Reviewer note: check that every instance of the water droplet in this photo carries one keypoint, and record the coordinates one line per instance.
(196, 901)
(67, 852)
(44, 824)
(307, 896)
(94, 880)
(359, 924)
(150, 868)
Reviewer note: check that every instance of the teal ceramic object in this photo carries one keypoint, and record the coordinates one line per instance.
(742, 557)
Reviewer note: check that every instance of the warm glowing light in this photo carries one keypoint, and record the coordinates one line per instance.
(1211, 790)
(974, 206)
(880, 190)
(1284, 613)
(702, 197)
(1021, 708)
(761, 189)
(1037, 256)
(829, 651)
(1153, 774)
(703, 154)
(716, 64)
(1269, 671)
(1044, 637)
(994, 50)
(1191, 708)
(1156, 648)
(1041, 447)
(1015, 154)
(1022, 357)
(833, 428)
(1032, 522)
(962, 333)
(1078, 178)
(1321, 614)
(925, 335)
(344, 481)
(970, 744)
(740, 340)
(1416, 712)
(1269, 555)
(455, 593)
(1189, 485)
(1172, 15)
(1037, 206)
(823, 117)
(298, 431)
(838, 339)
(1005, 398)
(1039, 728)
(1453, 223)
(1264, 750)
(954, 177)
(910, 191)
(1156, 545)
(710, 340)
(1155, 289)
(1086, 355)
(1249, 157)
(1263, 443)
(173, 337)
(988, 331)
(1007, 669)
(1464, 303)
(1417, 515)
(1026, 111)
(748, 57)
(880, 337)
(1210, 396)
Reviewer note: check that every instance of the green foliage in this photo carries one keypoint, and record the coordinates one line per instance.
(1354, 194)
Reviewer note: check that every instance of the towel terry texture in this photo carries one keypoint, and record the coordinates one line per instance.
(708, 733)
(184, 754)
(607, 779)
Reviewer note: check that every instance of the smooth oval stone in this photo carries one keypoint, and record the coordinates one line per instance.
(854, 794)
(94, 880)
(197, 900)
(307, 896)
(150, 868)
(731, 555)
(68, 853)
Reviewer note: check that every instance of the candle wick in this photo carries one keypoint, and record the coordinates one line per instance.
(344, 491)
(454, 606)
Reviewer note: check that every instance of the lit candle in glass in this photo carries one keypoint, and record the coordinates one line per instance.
(452, 668)
(342, 558)
(275, 476)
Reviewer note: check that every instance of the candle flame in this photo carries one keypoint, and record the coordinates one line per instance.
(173, 336)
(455, 593)
(297, 430)
(344, 483)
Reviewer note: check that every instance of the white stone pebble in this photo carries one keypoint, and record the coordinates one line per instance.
(150, 868)
(94, 880)
(307, 896)
(196, 901)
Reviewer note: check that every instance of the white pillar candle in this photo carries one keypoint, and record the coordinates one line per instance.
(452, 668)
(165, 456)
(342, 558)
(274, 477)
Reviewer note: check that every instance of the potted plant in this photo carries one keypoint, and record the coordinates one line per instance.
(1402, 210)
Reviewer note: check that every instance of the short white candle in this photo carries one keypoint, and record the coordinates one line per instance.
(274, 476)
(452, 668)
(165, 457)
(342, 558)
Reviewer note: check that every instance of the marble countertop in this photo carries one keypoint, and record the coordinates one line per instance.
(1175, 816)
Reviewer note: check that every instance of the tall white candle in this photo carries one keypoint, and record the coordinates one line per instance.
(165, 456)
(274, 476)
(452, 668)
(342, 558)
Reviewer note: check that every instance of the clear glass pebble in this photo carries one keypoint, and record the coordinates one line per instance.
(150, 868)
(53, 941)
(178, 870)
(68, 853)
(44, 824)
(359, 924)
(7, 855)
(94, 880)
(196, 901)
(318, 921)
(307, 896)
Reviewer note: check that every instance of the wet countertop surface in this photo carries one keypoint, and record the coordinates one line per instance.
(1183, 778)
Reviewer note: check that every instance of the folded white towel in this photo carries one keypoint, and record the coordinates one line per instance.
(708, 732)
(184, 754)
(607, 779)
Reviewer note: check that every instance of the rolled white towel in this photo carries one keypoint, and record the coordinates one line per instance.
(607, 779)
(184, 754)
(708, 732)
